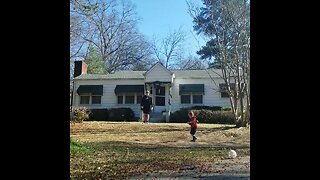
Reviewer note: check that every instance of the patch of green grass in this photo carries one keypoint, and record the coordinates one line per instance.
(77, 147)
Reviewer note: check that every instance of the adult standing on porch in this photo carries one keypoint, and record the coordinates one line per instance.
(146, 106)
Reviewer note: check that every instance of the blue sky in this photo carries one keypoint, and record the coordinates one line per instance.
(159, 17)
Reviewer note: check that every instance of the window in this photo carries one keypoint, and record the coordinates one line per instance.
(96, 99)
(185, 99)
(120, 99)
(160, 101)
(129, 100)
(139, 97)
(84, 99)
(160, 90)
(197, 99)
(224, 91)
(224, 94)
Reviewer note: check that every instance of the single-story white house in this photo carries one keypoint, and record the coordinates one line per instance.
(170, 90)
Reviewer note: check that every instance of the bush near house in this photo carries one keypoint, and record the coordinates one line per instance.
(215, 117)
(210, 115)
(180, 116)
(79, 114)
(213, 108)
(226, 109)
(98, 114)
(121, 114)
(114, 114)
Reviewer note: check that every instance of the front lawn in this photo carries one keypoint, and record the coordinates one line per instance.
(113, 150)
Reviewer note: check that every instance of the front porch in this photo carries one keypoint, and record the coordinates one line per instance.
(161, 96)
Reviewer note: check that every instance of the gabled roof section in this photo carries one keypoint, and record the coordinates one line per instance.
(158, 65)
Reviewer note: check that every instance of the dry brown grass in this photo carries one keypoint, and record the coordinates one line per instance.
(120, 150)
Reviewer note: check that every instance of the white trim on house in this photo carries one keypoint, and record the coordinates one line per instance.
(158, 64)
(158, 73)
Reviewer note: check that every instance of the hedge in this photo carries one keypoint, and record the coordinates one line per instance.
(98, 115)
(121, 114)
(205, 115)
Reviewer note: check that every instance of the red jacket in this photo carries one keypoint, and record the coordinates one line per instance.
(193, 122)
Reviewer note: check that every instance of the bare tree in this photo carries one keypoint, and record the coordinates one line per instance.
(227, 24)
(170, 49)
(190, 62)
(110, 27)
(79, 30)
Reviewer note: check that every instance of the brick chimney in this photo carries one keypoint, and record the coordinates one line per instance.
(80, 67)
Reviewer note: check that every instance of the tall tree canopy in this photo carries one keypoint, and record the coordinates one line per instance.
(110, 28)
(227, 25)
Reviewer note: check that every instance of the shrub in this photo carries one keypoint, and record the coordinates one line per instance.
(203, 116)
(79, 114)
(226, 109)
(121, 114)
(98, 115)
(180, 116)
(213, 108)
(215, 117)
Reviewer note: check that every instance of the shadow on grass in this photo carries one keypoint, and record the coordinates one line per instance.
(120, 145)
(216, 129)
(227, 177)
(97, 175)
(129, 159)
(153, 130)
(119, 131)
(195, 176)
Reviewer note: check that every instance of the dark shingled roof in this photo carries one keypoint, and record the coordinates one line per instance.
(182, 74)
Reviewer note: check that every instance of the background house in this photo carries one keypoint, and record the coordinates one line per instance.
(170, 90)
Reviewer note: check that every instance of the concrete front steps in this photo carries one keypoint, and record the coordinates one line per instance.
(157, 117)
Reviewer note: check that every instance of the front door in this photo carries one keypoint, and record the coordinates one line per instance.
(160, 97)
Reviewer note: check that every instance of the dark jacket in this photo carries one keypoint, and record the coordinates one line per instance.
(146, 101)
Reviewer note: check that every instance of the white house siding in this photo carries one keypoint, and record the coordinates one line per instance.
(210, 98)
(158, 73)
(109, 98)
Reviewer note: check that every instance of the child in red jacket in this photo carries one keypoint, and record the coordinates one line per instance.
(193, 124)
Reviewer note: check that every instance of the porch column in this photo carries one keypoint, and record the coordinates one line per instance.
(168, 101)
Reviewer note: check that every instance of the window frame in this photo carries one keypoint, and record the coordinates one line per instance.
(185, 102)
(194, 98)
(82, 96)
(136, 97)
(122, 99)
(191, 97)
(100, 99)
(129, 95)
(223, 90)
